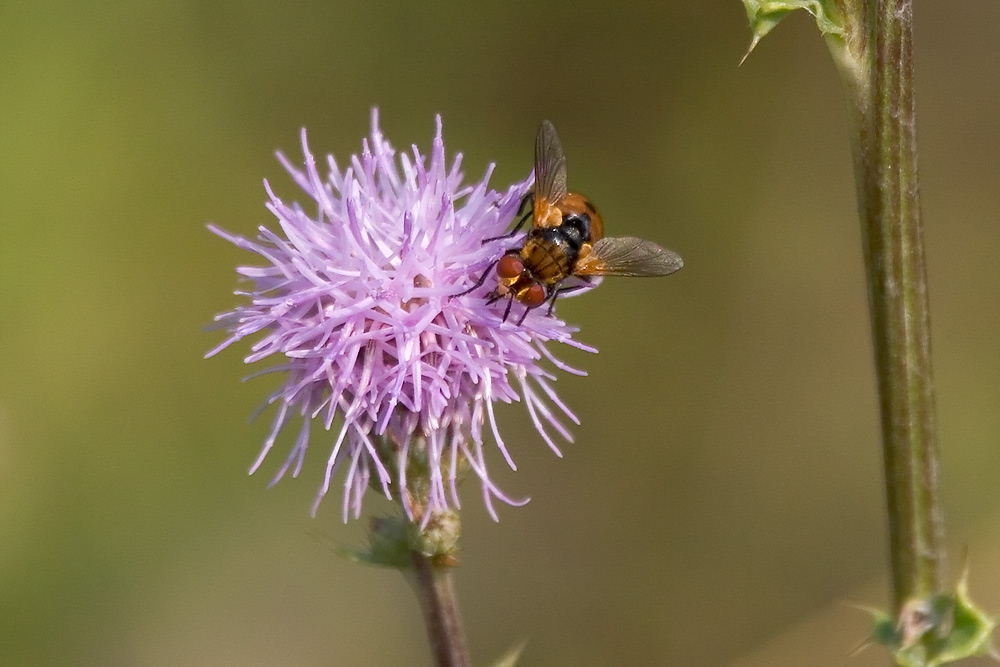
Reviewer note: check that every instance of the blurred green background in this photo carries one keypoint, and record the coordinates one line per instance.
(724, 495)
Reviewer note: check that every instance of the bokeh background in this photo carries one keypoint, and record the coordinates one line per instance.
(724, 496)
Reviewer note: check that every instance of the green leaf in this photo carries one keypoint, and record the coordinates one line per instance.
(764, 15)
(970, 632)
(389, 545)
(510, 658)
(938, 630)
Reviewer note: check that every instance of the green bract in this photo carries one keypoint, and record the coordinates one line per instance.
(765, 14)
(937, 630)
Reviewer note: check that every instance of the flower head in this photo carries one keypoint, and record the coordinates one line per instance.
(362, 300)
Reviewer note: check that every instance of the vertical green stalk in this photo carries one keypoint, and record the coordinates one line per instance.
(433, 585)
(872, 45)
(425, 549)
(885, 155)
(426, 556)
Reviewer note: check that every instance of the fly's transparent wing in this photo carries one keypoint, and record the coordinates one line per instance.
(550, 166)
(628, 256)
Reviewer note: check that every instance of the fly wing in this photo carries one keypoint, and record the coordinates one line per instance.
(628, 256)
(550, 168)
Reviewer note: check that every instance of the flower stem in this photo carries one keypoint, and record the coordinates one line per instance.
(433, 584)
(885, 155)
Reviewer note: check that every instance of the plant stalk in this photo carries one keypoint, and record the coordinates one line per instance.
(435, 589)
(885, 156)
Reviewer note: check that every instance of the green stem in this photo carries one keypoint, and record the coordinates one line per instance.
(431, 543)
(885, 155)
(433, 585)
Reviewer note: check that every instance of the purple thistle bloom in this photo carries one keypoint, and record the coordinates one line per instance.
(359, 303)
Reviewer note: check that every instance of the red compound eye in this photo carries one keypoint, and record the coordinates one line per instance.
(509, 266)
(533, 296)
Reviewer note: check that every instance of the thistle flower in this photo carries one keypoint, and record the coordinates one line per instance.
(363, 303)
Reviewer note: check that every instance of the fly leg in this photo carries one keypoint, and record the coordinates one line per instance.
(495, 296)
(528, 202)
(506, 312)
(566, 290)
(479, 283)
(524, 315)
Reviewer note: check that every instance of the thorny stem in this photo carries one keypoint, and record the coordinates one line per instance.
(433, 585)
(432, 542)
(880, 86)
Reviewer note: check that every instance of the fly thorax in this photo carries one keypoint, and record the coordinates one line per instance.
(576, 229)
